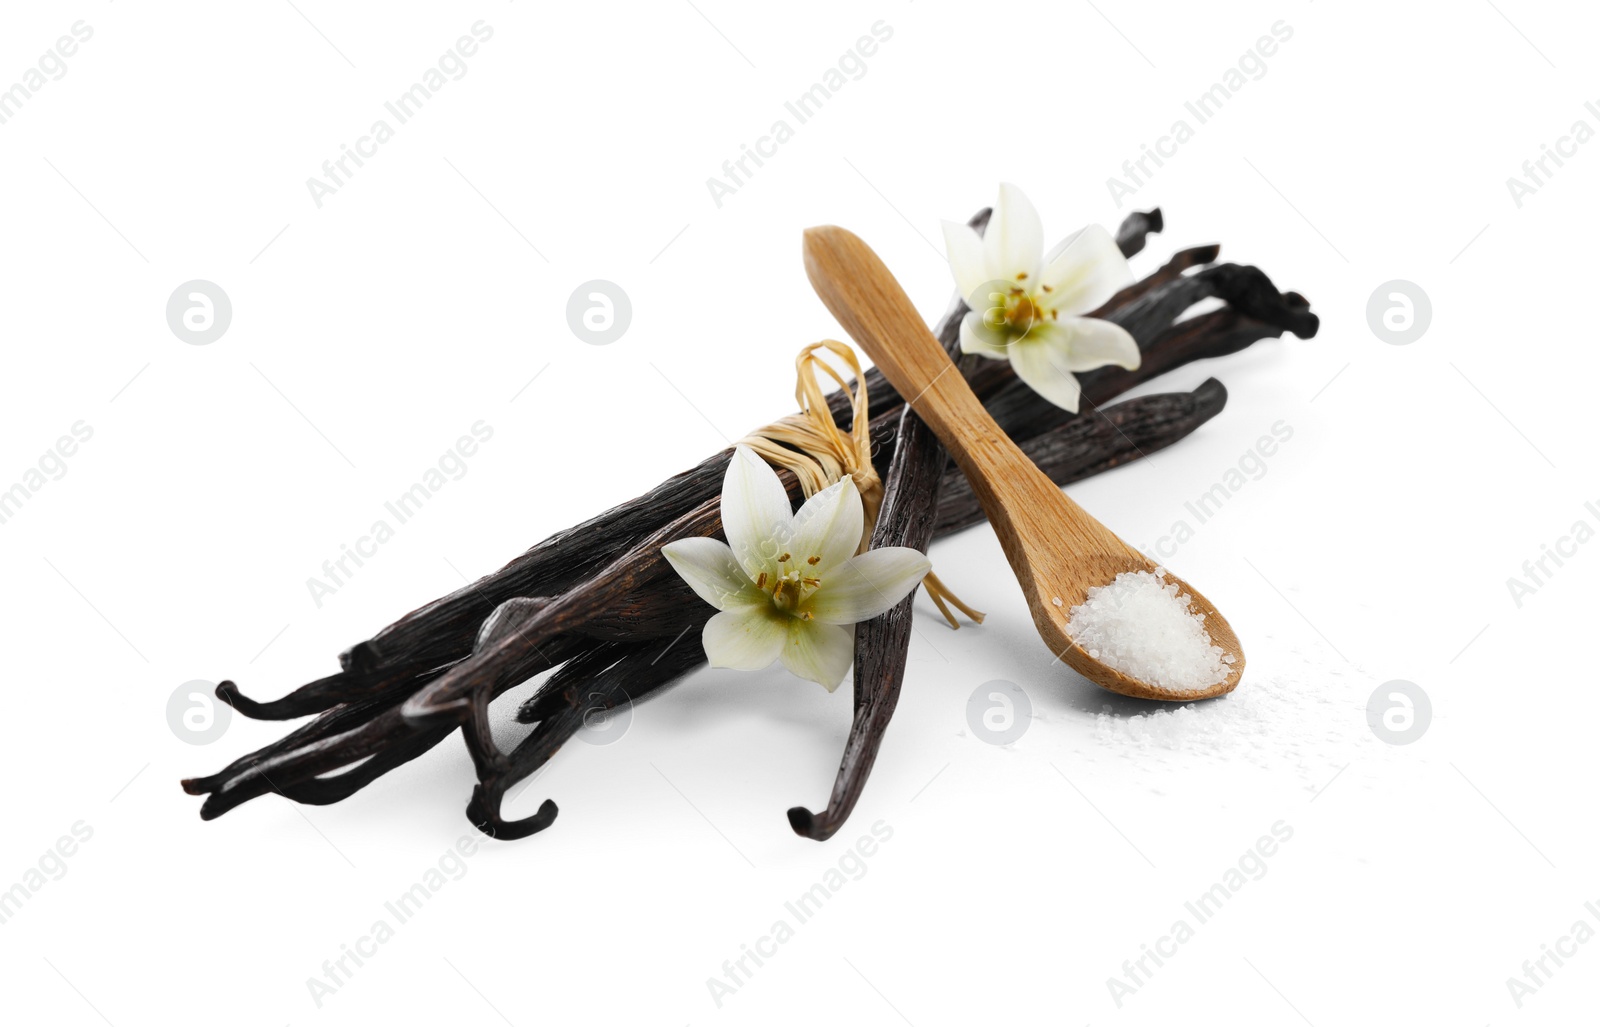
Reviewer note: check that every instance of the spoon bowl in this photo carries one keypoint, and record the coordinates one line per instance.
(1057, 550)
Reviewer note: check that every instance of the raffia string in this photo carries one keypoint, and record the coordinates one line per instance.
(811, 445)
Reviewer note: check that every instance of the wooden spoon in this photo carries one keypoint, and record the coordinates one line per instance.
(1057, 550)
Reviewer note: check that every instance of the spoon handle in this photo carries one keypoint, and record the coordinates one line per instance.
(1020, 500)
(867, 300)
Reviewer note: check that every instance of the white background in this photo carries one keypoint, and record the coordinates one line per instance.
(426, 294)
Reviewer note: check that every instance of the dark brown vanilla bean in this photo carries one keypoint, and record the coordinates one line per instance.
(906, 518)
(322, 791)
(1080, 448)
(333, 742)
(911, 494)
(1135, 227)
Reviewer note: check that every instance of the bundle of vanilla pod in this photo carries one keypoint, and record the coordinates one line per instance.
(599, 605)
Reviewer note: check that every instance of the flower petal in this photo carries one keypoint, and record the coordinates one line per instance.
(710, 569)
(827, 527)
(964, 248)
(978, 337)
(1040, 361)
(748, 638)
(1084, 271)
(866, 585)
(1014, 240)
(819, 652)
(1091, 343)
(755, 508)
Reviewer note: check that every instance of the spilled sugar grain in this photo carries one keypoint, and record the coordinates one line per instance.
(1296, 713)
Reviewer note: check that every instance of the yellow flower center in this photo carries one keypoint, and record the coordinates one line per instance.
(1015, 310)
(791, 585)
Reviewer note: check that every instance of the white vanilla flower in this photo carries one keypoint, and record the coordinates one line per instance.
(1028, 309)
(790, 585)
